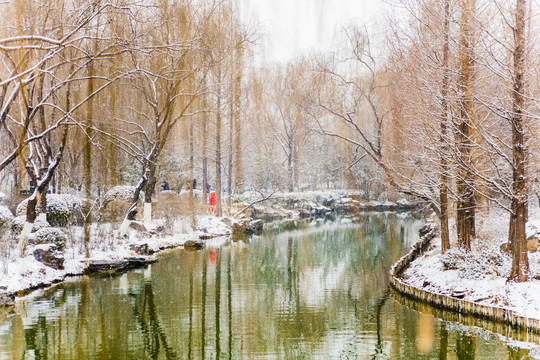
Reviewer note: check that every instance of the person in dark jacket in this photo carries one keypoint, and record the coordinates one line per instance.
(164, 186)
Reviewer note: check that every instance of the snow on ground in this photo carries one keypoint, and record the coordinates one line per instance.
(480, 276)
(26, 273)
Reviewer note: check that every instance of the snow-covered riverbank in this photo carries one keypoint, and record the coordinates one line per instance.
(26, 273)
(481, 275)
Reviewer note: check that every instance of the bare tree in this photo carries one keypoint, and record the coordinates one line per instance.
(163, 64)
(519, 207)
(466, 201)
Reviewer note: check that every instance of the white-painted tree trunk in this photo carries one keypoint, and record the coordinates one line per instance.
(42, 216)
(23, 238)
(124, 228)
(147, 217)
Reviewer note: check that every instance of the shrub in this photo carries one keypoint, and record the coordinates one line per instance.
(50, 235)
(62, 209)
(169, 204)
(476, 265)
(18, 222)
(118, 193)
(5, 216)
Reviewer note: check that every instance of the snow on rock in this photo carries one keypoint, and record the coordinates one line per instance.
(403, 202)
(533, 228)
(27, 272)
(5, 216)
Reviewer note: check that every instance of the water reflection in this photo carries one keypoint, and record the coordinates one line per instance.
(319, 290)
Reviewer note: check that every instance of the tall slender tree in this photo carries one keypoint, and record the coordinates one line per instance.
(519, 208)
(463, 128)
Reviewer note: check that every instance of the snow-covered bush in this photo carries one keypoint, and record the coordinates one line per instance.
(118, 192)
(58, 211)
(5, 216)
(62, 209)
(18, 222)
(476, 265)
(50, 235)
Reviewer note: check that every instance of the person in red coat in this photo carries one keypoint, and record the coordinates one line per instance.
(213, 201)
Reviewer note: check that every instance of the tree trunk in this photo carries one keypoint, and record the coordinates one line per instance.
(237, 133)
(466, 207)
(219, 210)
(41, 186)
(88, 155)
(192, 174)
(295, 142)
(230, 158)
(445, 169)
(191, 150)
(132, 212)
(150, 188)
(517, 236)
(204, 147)
(290, 174)
(43, 203)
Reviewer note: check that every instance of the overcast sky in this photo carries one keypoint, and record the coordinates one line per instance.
(293, 27)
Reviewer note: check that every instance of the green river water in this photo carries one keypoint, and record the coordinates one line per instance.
(314, 290)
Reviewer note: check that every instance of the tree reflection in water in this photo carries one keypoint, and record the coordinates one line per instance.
(147, 317)
(319, 291)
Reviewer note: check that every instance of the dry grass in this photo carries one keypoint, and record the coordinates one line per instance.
(116, 211)
(166, 204)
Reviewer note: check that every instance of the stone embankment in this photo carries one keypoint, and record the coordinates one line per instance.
(459, 306)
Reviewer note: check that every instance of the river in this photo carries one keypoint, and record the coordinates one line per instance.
(311, 290)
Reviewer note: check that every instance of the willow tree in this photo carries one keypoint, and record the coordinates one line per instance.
(164, 64)
(33, 44)
(221, 41)
(354, 94)
(290, 130)
(234, 161)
